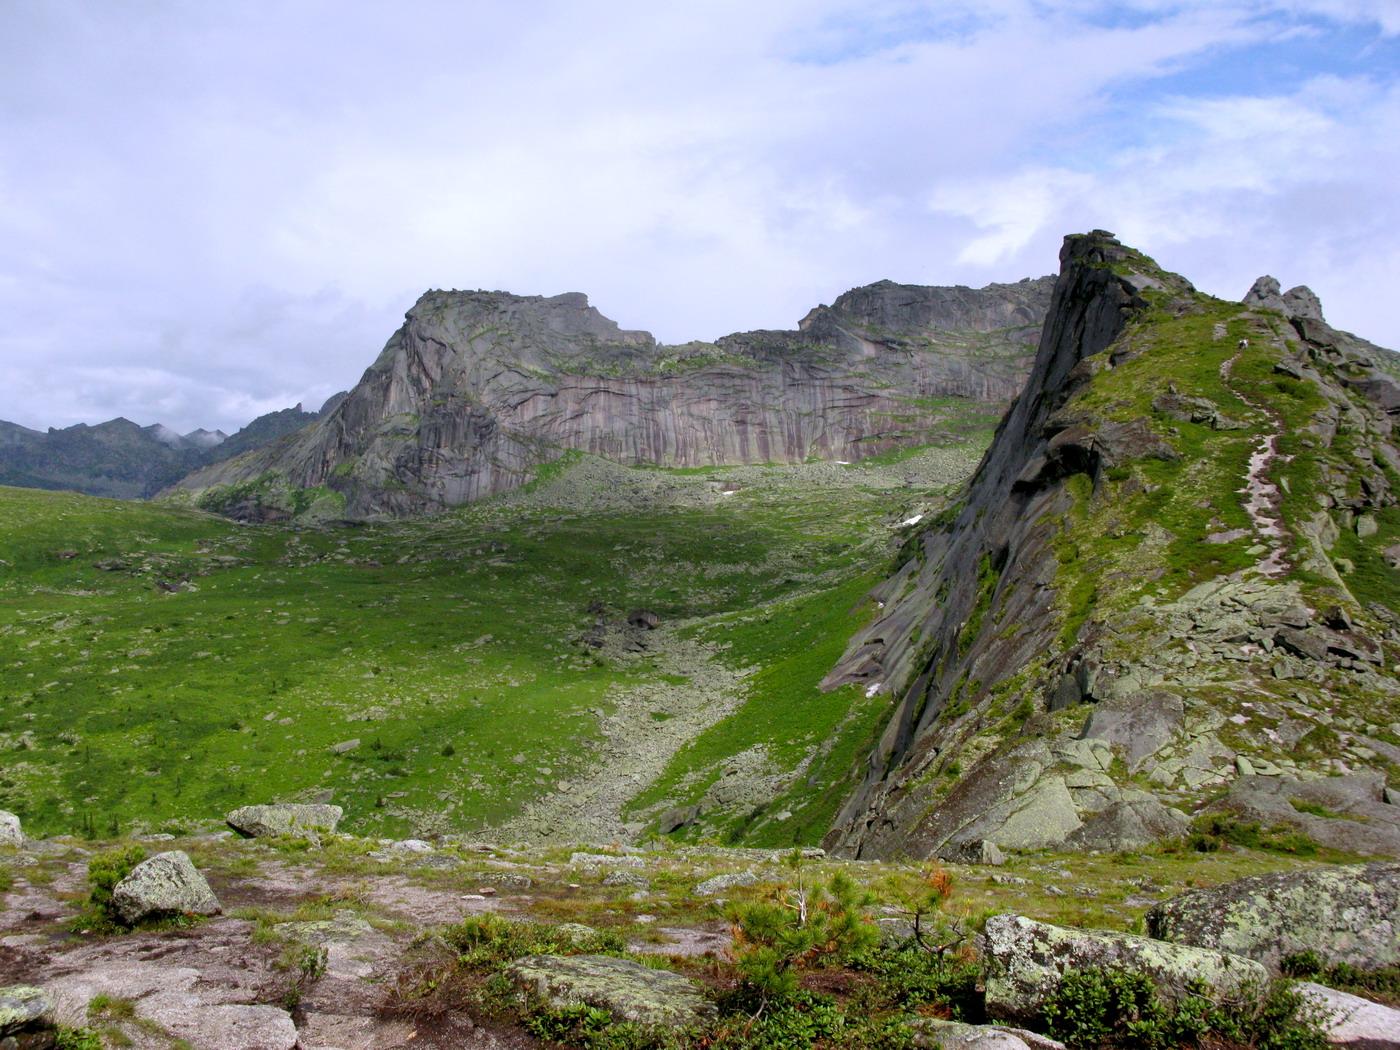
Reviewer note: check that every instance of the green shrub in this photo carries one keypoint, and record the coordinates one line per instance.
(1119, 1010)
(907, 978)
(1383, 983)
(104, 872)
(1211, 831)
(66, 1038)
(490, 942)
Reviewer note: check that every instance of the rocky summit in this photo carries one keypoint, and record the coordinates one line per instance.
(1170, 588)
(478, 392)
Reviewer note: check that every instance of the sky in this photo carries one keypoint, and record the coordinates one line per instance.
(211, 211)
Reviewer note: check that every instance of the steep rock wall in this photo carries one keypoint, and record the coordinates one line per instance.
(478, 389)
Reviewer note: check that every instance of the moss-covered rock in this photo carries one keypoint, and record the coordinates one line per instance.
(1025, 961)
(284, 819)
(168, 883)
(627, 990)
(26, 1016)
(1345, 914)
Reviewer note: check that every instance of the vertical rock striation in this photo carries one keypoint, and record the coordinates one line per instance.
(478, 390)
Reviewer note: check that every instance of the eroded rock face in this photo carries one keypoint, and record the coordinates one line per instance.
(165, 883)
(284, 819)
(478, 389)
(627, 990)
(1025, 961)
(1346, 915)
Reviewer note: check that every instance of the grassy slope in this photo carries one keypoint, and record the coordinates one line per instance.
(446, 646)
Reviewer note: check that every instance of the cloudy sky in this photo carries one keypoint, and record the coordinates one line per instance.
(212, 210)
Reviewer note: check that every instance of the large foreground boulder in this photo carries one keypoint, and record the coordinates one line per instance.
(11, 834)
(165, 884)
(627, 990)
(1024, 962)
(288, 818)
(26, 1018)
(1344, 914)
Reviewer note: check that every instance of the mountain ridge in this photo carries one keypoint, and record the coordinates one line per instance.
(1059, 638)
(478, 390)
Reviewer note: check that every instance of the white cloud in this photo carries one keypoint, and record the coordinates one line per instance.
(208, 208)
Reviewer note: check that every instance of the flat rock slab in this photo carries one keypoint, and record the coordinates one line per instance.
(1025, 961)
(284, 819)
(1347, 914)
(167, 882)
(1353, 1022)
(231, 1026)
(627, 990)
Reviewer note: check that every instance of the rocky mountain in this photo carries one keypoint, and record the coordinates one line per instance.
(124, 460)
(118, 458)
(478, 391)
(1170, 588)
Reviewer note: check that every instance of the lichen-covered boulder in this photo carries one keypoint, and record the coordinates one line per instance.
(627, 990)
(719, 883)
(11, 834)
(26, 1017)
(1347, 914)
(287, 818)
(1024, 962)
(166, 883)
(1350, 1021)
(936, 1034)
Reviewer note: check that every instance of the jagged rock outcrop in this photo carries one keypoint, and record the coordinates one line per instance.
(478, 390)
(1168, 572)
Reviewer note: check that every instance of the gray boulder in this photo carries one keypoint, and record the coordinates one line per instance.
(167, 882)
(1128, 826)
(284, 819)
(1351, 1021)
(1344, 914)
(1024, 962)
(11, 834)
(26, 1017)
(719, 883)
(627, 990)
(604, 860)
(937, 1034)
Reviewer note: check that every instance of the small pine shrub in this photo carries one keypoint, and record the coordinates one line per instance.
(795, 927)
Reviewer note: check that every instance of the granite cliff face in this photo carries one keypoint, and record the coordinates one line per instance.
(478, 390)
(1172, 583)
